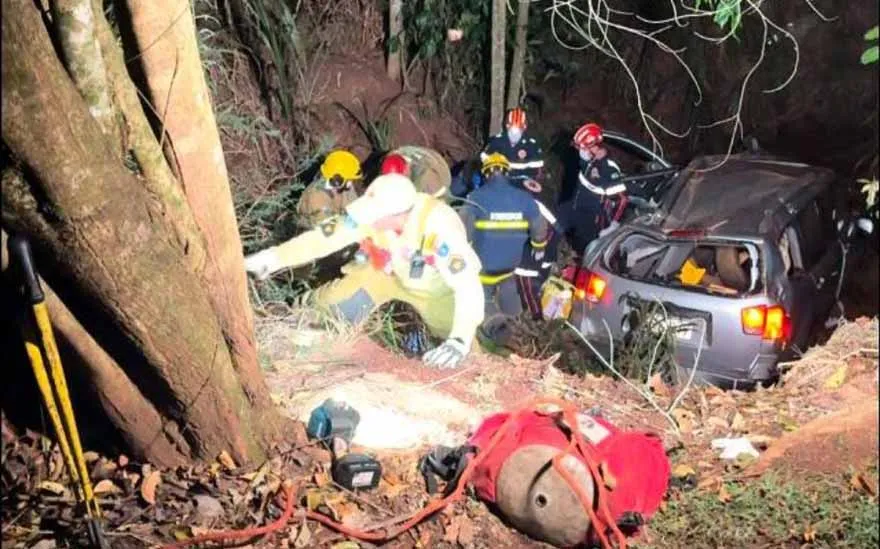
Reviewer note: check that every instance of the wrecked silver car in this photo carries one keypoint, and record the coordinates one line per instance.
(743, 262)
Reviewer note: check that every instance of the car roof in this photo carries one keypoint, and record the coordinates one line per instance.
(749, 196)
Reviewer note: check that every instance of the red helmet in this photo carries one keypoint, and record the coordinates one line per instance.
(394, 163)
(588, 135)
(516, 118)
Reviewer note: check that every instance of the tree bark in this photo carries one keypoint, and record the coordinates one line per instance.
(166, 37)
(157, 175)
(519, 54)
(94, 216)
(395, 37)
(499, 34)
(74, 22)
(149, 436)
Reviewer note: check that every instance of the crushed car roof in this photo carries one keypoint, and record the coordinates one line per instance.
(748, 195)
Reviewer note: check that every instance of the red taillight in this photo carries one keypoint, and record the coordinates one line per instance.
(771, 323)
(589, 286)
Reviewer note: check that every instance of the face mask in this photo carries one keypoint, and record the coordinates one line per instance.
(514, 135)
(585, 155)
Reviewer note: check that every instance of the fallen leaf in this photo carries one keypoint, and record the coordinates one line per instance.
(684, 419)
(658, 386)
(181, 533)
(709, 483)
(55, 488)
(106, 486)
(859, 482)
(226, 460)
(148, 487)
(682, 471)
(132, 481)
(346, 545)
(56, 466)
(723, 495)
(835, 380)
(314, 498)
(303, 537)
(809, 533)
(738, 423)
(787, 424)
(322, 479)
(716, 421)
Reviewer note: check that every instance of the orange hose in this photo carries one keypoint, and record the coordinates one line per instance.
(577, 442)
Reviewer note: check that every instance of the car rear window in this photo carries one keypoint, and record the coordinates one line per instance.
(726, 268)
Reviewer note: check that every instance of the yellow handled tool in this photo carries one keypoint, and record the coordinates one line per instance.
(64, 422)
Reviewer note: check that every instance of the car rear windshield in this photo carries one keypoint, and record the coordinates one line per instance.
(725, 268)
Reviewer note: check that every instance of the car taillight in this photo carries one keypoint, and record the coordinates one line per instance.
(771, 323)
(589, 286)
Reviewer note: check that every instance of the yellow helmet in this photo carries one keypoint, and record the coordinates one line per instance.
(495, 161)
(341, 164)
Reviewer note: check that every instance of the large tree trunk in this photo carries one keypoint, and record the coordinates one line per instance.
(74, 22)
(166, 37)
(496, 92)
(519, 54)
(114, 247)
(395, 39)
(141, 426)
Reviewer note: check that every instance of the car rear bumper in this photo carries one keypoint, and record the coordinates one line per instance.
(717, 369)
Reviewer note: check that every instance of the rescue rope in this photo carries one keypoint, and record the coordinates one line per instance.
(576, 442)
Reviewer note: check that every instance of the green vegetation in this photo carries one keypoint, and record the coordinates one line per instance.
(870, 55)
(772, 512)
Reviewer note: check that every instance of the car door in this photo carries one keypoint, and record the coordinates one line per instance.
(816, 266)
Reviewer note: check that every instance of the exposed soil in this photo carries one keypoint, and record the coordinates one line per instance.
(834, 443)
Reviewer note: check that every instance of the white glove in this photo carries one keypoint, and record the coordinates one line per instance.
(262, 264)
(448, 355)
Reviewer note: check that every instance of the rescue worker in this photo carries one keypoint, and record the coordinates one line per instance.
(535, 268)
(338, 185)
(524, 153)
(599, 199)
(425, 167)
(414, 249)
(501, 219)
(467, 178)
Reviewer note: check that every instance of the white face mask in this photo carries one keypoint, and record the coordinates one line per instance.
(585, 155)
(514, 135)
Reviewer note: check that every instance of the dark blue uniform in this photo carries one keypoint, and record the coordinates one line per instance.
(533, 272)
(502, 220)
(598, 200)
(466, 179)
(525, 156)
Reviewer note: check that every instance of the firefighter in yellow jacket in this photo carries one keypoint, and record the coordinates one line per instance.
(413, 248)
(338, 185)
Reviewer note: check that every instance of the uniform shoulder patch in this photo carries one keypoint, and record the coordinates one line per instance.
(456, 264)
(328, 227)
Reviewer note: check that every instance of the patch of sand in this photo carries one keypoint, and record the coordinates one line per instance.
(394, 414)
